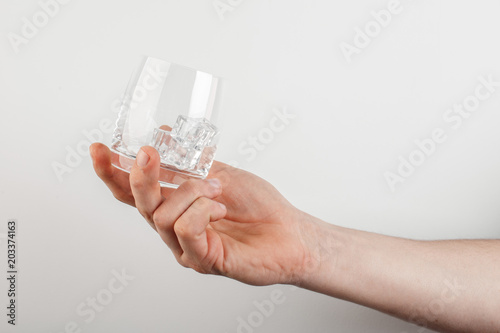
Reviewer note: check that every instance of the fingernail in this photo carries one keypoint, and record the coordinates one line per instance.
(142, 158)
(215, 183)
(222, 206)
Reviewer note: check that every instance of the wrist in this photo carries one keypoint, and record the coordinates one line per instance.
(323, 244)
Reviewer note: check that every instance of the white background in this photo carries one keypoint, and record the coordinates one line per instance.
(352, 122)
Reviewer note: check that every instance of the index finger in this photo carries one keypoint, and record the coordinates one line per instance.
(116, 180)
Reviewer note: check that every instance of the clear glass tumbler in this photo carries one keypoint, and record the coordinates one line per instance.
(174, 109)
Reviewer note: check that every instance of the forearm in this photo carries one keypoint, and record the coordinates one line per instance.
(445, 285)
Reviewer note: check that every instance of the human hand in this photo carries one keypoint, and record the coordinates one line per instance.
(233, 224)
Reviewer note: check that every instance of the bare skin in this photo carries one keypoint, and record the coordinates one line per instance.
(238, 225)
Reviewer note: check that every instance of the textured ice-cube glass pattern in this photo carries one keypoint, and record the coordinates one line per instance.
(188, 146)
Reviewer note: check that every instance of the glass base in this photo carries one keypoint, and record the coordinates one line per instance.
(169, 176)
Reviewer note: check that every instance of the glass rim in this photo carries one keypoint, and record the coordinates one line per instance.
(144, 57)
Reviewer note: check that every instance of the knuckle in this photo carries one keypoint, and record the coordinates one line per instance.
(199, 269)
(203, 204)
(159, 220)
(191, 186)
(181, 261)
(145, 214)
(103, 173)
(190, 263)
(118, 196)
(121, 197)
(181, 229)
(136, 182)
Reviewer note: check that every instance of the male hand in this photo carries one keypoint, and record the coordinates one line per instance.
(233, 223)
